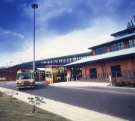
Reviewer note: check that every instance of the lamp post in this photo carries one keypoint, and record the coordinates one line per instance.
(34, 7)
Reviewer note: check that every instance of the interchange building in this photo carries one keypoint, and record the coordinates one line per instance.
(114, 59)
(111, 61)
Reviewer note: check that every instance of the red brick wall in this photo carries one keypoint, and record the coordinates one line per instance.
(85, 72)
(104, 69)
(9, 74)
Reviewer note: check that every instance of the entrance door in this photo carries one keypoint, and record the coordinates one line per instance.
(93, 73)
(116, 71)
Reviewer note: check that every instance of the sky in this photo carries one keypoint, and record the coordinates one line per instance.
(63, 27)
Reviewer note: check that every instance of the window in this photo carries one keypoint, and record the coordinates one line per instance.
(70, 59)
(131, 43)
(48, 75)
(63, 60)
(93, 73)
(56, 61)
(117, 46)
(74, 58)
(60, 60)
(116, 71)
(24, 75)
(101, 50)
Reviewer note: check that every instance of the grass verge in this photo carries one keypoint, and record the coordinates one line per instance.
(20, 111)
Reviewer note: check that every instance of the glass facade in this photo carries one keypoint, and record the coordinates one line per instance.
(101, 50)
(117, 46)
(131, 43)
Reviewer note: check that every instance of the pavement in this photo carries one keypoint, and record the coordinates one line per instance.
(81, 84)
(95, 86)
(82, 101)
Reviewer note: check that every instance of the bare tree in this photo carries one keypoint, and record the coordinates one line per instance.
(35, 101)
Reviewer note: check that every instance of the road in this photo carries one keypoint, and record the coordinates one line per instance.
(112, 101)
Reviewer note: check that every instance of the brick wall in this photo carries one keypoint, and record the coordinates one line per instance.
(104, 69)
(8, 74)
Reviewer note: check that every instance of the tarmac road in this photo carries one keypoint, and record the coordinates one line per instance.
(113, 101)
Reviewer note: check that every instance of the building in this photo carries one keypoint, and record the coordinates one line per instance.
(62, 60)
(10, 73)
(114, 60)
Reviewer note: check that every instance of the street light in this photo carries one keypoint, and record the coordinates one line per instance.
(34, 7)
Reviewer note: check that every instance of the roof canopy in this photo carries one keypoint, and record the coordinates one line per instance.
(123, 32)
(104, 56)
(128, 36)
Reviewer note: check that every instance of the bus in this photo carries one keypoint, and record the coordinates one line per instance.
(25, 80)
(54, 74)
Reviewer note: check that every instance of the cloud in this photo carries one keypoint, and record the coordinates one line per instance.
(64, 16)
(69, 26)
(10, 41)
(61, 16)
(77, 41)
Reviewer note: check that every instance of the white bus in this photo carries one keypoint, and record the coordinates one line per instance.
(25, 80)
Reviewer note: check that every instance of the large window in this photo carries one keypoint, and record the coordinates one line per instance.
(48, 75)
(93, 73)
(117, 46)
(101, 50)
(116, 71)
(131, 43)
(24, 75)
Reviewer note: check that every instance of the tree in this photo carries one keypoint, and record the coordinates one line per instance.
(35, 101)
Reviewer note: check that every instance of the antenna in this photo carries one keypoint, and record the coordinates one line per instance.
(131, 23)
(128, 25)
(134, 20)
